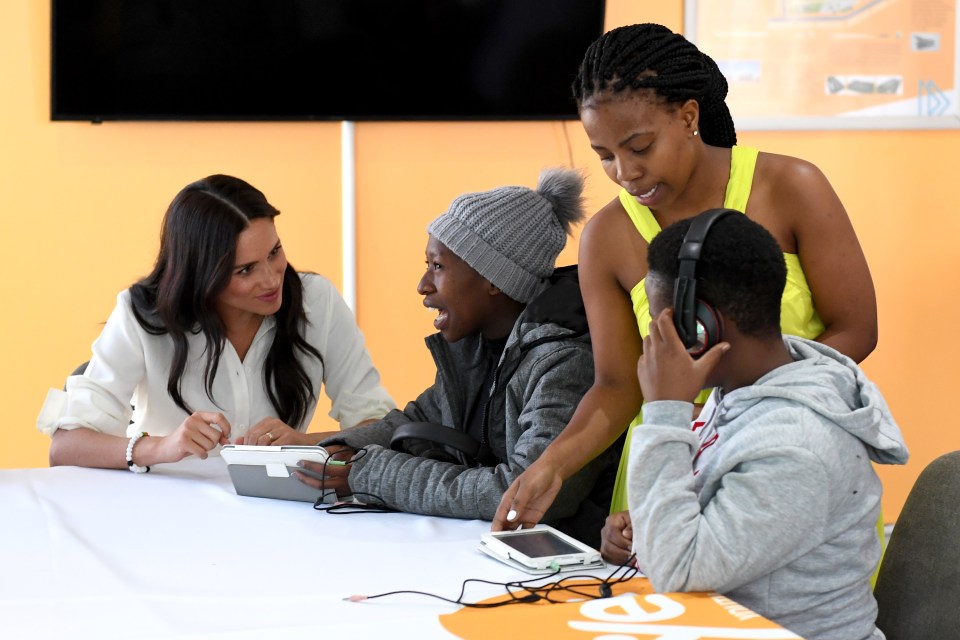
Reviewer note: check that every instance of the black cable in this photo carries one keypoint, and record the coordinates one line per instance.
(344, 507)
(347, 508)
(536, 593)
(532, 597)
(604, 585)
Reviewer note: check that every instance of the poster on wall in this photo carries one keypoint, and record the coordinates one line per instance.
(833, 64)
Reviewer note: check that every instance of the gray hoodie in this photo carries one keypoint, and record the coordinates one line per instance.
(785, 521)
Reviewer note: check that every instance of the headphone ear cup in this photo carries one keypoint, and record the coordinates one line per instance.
(709, 329)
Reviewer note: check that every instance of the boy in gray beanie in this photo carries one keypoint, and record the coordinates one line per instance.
(513, 360)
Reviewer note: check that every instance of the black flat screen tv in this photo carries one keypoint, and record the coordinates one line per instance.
(318, 59)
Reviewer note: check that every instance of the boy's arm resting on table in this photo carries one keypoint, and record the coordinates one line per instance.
(435, 487)
(608, 407)
(768, 511)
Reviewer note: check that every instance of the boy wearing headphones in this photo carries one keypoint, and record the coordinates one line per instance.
(513, 358)
(770, 498)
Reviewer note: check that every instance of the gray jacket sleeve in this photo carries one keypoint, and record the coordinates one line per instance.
(545, 399)
(768, 511)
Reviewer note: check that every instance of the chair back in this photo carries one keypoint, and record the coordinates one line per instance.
(918, 588)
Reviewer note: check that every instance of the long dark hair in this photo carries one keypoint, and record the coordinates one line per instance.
(650, 56)
(198, 246)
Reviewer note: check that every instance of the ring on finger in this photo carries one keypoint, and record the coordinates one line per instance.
(269, 436)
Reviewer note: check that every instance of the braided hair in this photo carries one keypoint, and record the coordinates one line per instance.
(650, 56)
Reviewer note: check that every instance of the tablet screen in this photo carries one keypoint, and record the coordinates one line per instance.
(538, 544)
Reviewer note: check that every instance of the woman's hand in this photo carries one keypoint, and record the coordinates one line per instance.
(196, 436)
(529, 496)
(616, 538)
(273, 431)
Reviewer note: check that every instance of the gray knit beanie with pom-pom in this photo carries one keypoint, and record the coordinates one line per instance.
(512, 235)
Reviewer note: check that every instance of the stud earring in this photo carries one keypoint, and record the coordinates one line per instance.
(696, 132)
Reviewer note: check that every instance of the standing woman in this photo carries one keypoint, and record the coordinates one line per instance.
(223, 342)
(653, 107)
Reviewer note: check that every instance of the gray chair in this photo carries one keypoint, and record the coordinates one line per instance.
(80, 369)
(918, 588)
(77, 372)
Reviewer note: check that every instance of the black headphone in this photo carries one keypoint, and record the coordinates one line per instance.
(437, 442)
(698, 323)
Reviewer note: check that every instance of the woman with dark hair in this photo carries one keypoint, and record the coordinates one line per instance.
(653, 107)
(222, 342)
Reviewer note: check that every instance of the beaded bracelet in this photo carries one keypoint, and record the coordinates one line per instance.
(133, 467)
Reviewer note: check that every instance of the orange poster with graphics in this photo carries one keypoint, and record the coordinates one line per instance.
(849, 59)
(634, 611)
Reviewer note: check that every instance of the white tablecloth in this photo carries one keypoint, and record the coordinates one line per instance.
(87, 553)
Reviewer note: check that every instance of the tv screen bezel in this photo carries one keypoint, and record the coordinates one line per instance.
(58, 112)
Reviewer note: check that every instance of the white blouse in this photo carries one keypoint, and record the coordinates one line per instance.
(131, 366)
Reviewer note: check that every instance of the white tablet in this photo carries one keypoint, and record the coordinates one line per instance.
(541, 549)
(267, 472)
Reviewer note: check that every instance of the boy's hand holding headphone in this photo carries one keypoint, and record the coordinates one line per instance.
(666, 369)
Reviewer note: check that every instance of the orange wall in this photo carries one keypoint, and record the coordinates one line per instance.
(82, 206)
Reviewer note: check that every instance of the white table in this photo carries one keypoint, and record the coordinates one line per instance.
(87, 553)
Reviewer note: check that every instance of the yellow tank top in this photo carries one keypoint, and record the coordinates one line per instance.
(797, 314)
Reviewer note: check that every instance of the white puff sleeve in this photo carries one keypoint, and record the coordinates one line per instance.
(100, 398)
